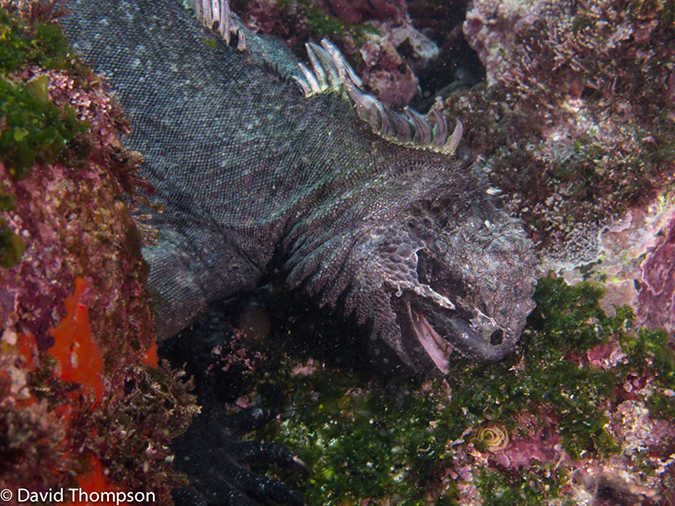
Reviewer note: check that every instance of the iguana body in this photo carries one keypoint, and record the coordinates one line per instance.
(249, 169)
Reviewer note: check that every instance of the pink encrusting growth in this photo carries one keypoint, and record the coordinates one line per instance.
(657, 284)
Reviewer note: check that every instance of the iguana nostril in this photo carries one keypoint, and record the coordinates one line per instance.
(497, 337)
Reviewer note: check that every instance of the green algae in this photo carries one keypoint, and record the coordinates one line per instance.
(527, 487)
(12, 247)
(24, 42)
(397, 440)
(322, 25)
(32, 128)
(364, 443)
(35, 130)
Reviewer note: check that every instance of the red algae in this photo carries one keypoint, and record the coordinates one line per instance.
(76, 350)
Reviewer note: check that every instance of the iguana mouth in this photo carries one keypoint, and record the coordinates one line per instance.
(438, 349)
(431, 335)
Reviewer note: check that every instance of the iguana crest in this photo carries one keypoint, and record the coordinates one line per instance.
(332, 73)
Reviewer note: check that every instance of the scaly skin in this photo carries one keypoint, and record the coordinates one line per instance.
(251, 171)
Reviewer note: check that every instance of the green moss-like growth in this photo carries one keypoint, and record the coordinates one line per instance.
(322, 25)
(36, 130)
(33, 129)
(394, 442)
(24, 42)
(11, 246)
(364, 443)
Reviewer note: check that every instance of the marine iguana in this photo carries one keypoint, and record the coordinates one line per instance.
(252, 173)
(249, 169)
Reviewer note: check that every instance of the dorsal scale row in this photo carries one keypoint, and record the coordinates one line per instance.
(332, 73)
(216, 15)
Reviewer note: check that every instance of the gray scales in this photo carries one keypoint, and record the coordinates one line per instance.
(249, 169)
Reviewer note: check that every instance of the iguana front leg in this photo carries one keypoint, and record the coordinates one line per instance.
(193, 266)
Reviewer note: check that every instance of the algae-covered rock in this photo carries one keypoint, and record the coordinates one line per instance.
(82, 399)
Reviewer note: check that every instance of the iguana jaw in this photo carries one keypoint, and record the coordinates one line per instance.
(437, 348)
(430, 335)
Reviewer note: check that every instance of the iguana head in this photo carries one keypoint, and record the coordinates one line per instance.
(450, 277)
(425, 256)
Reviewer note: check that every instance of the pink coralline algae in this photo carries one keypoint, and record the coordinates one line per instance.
(73, 223)
(524, 452)
(656, 294)
(387, 74)
(383, 76)
(562, 48)
(531, 443)
(637, 254)
(606, 356)
(234, 353)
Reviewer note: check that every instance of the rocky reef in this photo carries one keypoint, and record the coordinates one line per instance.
(82, 398)
(574, 126)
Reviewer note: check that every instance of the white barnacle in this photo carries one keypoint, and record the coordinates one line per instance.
(427, 291)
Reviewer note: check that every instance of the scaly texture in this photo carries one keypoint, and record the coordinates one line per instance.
(251, 172)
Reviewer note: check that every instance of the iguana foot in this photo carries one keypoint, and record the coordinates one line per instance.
(217, 465)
